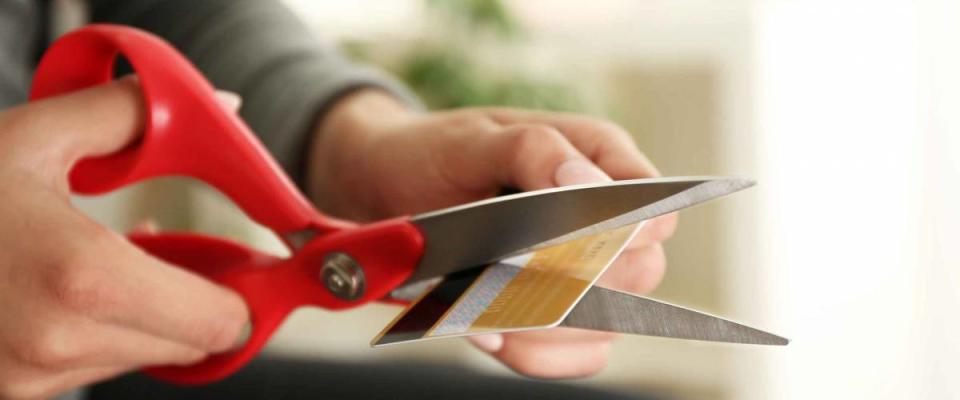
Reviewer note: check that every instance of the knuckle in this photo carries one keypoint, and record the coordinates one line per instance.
(609, 128)
(223, 332)
(605, 133)
(46, 349)
(539, 132)
(469, 120)
(599, 125)
(77, 287)
(462, 117)
(80, 283)
(530, 139)
(534, 151)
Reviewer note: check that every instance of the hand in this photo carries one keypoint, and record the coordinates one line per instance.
(372, 158)
(80, 303)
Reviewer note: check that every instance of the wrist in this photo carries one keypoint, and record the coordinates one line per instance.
(334, 159)
(365, 112)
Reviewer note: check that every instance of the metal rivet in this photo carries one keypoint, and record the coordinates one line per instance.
(343, 276)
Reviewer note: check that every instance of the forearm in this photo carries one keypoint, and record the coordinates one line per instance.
(259, 49)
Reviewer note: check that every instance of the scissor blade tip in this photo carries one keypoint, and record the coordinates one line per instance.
(774, 340)
(782, 341)
(732, 180)
(735, 332)
(766, 338)
(744, 182)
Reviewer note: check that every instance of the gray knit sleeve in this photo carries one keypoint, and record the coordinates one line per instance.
(261, 50)
(19, 36)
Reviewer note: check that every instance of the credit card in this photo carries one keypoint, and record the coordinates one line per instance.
(530, 291)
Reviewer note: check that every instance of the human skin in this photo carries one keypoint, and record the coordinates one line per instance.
(80, 303)
(373, 158)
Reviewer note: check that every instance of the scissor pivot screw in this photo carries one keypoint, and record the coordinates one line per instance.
(343, 276)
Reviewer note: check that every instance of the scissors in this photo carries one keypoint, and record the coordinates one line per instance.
(337, 264)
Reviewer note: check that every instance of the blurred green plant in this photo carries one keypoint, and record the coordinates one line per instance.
(446, 72)
(482, 15)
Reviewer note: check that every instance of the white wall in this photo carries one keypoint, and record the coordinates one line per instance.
(858, 118)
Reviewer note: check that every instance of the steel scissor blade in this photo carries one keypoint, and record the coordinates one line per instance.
(478, 233)
(610, 310)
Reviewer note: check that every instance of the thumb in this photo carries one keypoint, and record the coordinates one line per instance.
(89, 122)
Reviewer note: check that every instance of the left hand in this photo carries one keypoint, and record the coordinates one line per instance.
(373, 158)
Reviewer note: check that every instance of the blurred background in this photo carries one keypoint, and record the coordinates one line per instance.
(846, 112)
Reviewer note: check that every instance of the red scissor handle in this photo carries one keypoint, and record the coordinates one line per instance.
(273, 287)
(188, 133)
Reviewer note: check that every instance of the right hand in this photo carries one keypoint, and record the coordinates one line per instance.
(78, 302)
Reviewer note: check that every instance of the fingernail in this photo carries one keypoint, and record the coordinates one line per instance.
(147, 226)
(576, 172)
(491, 343)
(229, 100)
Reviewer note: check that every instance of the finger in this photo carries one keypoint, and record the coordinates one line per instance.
(561, 336)
(490, 343)
(175, 304)
(60, 341)
(552, 360)
(636, 270)
(527, 156)
(606, 144)
(90, 122)
(577, 172)
(82, 343)
(654, 231)
(229, 100)
(84, 377)
(134, 290)
(54, 385)
(20, 380)
(110, 345)
(146, 227)
(493, 343)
